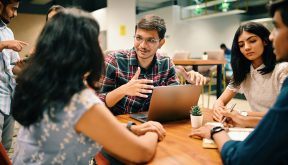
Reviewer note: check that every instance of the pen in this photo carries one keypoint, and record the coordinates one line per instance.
(230, 110)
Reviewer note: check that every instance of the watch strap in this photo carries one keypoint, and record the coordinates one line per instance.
(215, 130)
(129, 125)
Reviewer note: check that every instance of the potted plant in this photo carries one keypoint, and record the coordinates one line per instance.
(196, 117)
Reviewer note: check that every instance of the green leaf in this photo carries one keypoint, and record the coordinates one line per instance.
(196, 111)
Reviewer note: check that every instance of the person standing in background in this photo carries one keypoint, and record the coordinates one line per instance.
(227, 55)
(50, 13)
(8, 58)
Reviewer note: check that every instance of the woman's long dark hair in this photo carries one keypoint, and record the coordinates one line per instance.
(66, 50)
(55, 8)
(240, 64)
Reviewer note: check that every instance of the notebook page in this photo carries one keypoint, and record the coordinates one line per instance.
(238, 134)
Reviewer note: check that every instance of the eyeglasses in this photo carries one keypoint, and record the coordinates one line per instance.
(150, 41)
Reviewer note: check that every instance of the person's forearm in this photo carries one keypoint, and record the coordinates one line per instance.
(225, 97)
(256, 114)
(220, 139)
(114, 96)
(250, 121)
(148, 143)
(219, 102)
(149, 140)
(133, 128)
(2, 46)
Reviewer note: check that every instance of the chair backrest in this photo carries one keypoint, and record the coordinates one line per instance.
(4, 158)
(216, 54)
(181, 54)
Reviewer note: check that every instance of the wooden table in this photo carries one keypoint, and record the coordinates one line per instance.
(196, 62)
(178, 148)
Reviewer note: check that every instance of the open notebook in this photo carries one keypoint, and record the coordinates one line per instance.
(238, 134)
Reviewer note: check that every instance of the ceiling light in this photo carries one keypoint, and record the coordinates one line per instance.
(230, 12)
(224, 6)
(198, 10)
(207, 4)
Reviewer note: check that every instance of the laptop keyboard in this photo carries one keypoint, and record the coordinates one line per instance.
(139, 116)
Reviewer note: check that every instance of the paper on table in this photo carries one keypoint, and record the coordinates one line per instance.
(238, 134)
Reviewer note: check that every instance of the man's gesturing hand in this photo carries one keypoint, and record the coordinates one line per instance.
(138, 87)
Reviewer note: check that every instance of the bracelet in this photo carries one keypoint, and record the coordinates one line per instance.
(129, 125)
(243, 113)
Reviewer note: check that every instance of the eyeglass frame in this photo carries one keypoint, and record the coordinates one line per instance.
(149, 41)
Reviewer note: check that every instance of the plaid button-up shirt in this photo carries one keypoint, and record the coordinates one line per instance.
(121, 67)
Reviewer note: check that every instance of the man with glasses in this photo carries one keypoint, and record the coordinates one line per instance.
(132, 74)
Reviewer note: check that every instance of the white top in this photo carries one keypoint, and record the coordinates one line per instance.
(260, 90)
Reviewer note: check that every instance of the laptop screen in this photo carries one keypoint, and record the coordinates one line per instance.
(169, 103)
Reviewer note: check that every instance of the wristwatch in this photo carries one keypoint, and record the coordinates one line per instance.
(129, 125)
(243, 113)
(215, 130)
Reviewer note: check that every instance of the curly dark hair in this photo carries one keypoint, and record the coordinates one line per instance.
(240, 64)
(66, 50)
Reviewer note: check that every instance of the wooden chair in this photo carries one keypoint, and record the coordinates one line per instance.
(212, 81)
(215, 55)
(183, 55)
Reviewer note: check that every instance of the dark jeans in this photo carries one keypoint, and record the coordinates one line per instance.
(6, 130)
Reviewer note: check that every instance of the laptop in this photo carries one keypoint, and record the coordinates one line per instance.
(170, 103)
